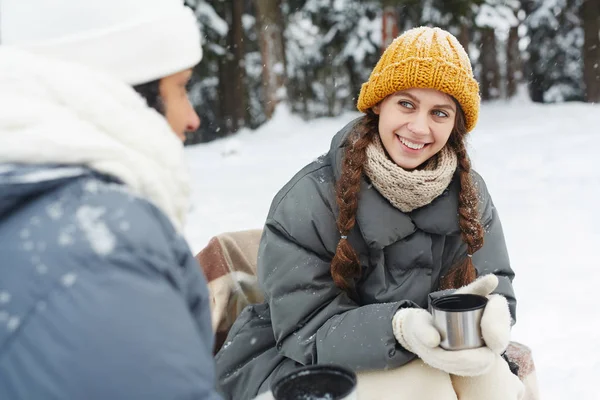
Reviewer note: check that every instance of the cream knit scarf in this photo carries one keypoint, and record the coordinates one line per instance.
(409, 190)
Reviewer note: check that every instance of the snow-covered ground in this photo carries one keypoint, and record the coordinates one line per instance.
(538, 163)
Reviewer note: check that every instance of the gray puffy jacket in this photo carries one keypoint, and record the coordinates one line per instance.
(100, 298)
(306, 319)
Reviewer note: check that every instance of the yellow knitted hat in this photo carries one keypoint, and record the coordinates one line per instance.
(424, 58)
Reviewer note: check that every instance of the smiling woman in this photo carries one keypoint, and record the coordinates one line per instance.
(356, 244)
(415, 124)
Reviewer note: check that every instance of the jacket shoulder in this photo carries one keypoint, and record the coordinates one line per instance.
(485, 200)
(88, 224)
(310, 186)
(304, 211)
(112, 218)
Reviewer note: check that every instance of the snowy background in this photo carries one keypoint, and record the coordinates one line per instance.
(538, 163)
(331, 46)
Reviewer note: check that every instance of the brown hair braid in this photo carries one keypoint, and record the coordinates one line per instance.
(345, 266)
(463, 272)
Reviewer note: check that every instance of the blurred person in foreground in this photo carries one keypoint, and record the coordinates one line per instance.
(100, 297)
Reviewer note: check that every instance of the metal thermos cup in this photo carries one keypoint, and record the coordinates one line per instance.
(316, 382)
(458, 319)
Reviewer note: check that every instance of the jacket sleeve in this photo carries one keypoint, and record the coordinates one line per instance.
(314, 321)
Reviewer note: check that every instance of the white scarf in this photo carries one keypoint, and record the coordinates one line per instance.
(55, 112)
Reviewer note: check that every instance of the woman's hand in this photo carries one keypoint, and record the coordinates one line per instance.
(495, 322)
(414, 330)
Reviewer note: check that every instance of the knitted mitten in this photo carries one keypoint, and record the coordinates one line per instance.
(414, 330)
(495, 322)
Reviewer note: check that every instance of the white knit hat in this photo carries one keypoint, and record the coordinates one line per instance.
(137, 41)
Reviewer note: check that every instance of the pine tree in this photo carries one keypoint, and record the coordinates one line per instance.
(554, 65)
(272, 47)
(331, 47)
(204, 86)
(494, 20)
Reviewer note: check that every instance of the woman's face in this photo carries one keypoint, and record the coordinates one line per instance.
(415, 124)
(179, 112)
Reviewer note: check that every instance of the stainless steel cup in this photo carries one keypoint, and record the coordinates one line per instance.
(316, 382)
(458, 319)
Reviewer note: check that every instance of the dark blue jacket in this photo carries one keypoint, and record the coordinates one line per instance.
(100, 297)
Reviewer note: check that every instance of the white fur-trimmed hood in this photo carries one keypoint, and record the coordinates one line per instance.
(55, 112)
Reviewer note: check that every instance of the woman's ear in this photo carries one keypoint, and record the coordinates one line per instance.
(376, 108)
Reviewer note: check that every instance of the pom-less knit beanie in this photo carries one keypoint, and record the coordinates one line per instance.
(424, 58)
(135, 41)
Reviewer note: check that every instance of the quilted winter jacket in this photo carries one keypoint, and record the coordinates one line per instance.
(305, 318)
(100, 297)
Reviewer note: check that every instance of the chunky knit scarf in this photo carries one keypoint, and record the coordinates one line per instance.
(409, 190)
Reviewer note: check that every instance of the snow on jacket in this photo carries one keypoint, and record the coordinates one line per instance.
(305, 318)
(100, 297)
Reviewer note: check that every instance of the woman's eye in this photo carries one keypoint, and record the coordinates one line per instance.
(439, 113)
(406, 104)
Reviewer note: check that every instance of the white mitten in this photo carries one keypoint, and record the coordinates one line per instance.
(414, 330)
(495, 322)
(483, 286)
(498, 384)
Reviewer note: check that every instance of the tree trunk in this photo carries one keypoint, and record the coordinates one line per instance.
(513, 62)
(535, 79)
(226, 104)
(306, 93)
(227, 119)
(590, 13)
(354, 80)
(490, 70)
(389, 26)
(273, 53)
(236, 40)
(464, 37)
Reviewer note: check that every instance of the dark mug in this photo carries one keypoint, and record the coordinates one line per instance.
(458, 319)
(316, 382)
